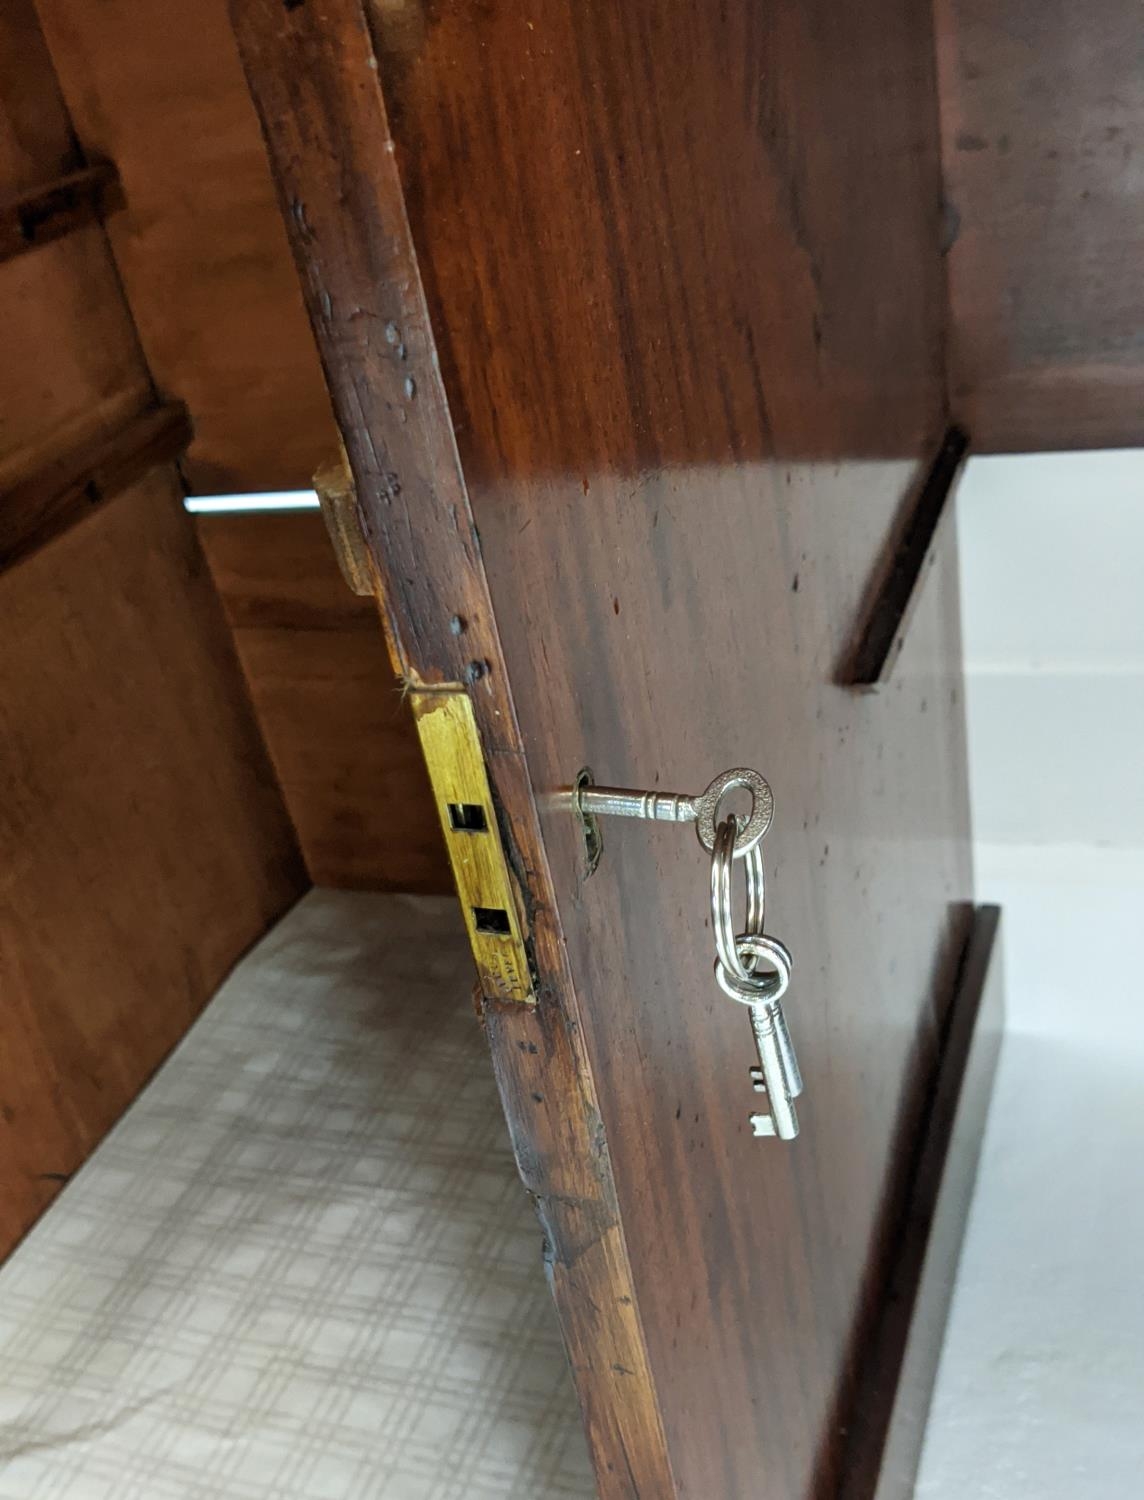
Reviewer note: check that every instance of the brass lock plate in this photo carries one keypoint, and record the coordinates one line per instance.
(451, 745)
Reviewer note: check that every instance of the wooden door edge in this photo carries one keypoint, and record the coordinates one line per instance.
(314, 78)
(897, 1372)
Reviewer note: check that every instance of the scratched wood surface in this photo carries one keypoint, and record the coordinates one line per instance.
(688, 319)
(1042, 115)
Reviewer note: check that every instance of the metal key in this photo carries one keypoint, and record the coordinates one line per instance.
(737, 955)
(778, 1075)
(674, 807)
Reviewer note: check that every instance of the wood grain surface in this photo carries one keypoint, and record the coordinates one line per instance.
(156, 86)
(1042, 115)
(317, 94)
(689, 322)
(330, 708)
(144, 840)
(36, 139)
(76, 479)
(71, 368)
(53, 209)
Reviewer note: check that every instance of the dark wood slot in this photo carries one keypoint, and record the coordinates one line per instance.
(467, 817)
(896, 1377)
(890, 600)
(492, 919)
(54, 209)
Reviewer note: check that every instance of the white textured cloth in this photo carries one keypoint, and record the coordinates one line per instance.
(303, 1264)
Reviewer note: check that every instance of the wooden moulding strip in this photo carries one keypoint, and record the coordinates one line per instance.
(56, 208)
(881, 631)
(35, 510)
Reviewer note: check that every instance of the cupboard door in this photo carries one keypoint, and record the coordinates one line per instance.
(631, 320)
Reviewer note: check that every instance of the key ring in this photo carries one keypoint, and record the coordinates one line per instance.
(722, 912)
(766, 989)
(735, 977)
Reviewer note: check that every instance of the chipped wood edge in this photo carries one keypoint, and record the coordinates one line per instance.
(314, 77)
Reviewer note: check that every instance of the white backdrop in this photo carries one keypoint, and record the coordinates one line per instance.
(1039, 1390)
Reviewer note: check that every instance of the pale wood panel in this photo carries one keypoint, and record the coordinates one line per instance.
(71, 369)
(36, 140)
(143, 843)
(157, 88)
(338, 729)
(70, 365)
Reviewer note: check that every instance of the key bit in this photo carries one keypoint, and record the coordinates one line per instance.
(767, 1022)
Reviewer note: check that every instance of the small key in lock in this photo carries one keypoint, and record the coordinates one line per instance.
(588, 799)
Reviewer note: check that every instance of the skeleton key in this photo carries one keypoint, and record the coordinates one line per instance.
(672, 807)
(774, 1077)
(727, 840)
(778, 1073)
(791, 1070)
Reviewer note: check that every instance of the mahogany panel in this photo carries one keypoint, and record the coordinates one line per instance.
(731, 219)
(156, 86)
(143, 843)
(1042, 111)
(689, 323)
(690, 315)
(333, 716)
